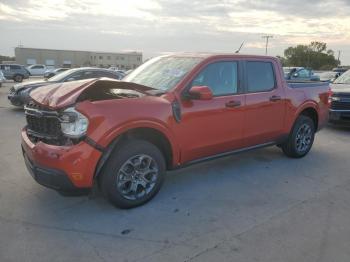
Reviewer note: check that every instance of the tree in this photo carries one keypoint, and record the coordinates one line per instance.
(6, 58)
(314, 55)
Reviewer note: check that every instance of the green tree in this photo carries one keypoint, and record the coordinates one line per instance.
(315, 55)
(6, 58)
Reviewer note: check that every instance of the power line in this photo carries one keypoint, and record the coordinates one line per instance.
(267, 41)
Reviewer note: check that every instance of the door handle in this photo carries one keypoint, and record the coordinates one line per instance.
(275, 98)
(233, 104)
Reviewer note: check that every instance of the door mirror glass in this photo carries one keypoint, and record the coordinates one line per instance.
(70, 79)
(200, 93)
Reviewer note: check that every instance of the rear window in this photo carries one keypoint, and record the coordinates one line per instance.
(260, 76)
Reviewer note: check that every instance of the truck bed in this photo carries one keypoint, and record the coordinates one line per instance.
(304, 84)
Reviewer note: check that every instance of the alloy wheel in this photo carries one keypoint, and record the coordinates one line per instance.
(303, 138)
(137, 177)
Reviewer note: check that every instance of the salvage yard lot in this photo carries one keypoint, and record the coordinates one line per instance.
(256, 206)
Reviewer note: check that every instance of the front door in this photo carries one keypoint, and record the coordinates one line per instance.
(213, 126)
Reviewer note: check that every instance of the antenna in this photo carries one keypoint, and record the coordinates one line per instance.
(239, 49)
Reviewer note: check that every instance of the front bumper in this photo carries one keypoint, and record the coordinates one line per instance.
(63, 168)
(339, 117)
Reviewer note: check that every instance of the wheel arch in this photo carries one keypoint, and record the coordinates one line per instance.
(309, 109)
(163, 141)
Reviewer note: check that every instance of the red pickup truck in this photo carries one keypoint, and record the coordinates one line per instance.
(170, 112)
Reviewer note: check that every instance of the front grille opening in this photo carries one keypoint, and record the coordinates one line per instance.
(43, 125)
(337, 105)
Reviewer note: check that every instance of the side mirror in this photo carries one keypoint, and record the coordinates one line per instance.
(200, 93)
(70, 79)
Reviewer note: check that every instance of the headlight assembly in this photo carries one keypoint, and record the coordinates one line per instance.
(73, 123)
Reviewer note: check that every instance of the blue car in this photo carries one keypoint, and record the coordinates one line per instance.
(300, 74)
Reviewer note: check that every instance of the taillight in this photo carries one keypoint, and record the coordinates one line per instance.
(330, 93)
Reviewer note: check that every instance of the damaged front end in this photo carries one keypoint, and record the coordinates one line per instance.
(52, 116)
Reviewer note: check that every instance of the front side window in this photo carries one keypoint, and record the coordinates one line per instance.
(38, 67)
(220, 77)
(162, 73)
(260, 77)
(76, 76)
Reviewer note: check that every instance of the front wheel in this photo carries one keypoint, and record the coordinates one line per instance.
(18, 78)
(133, 174)
(300, 139)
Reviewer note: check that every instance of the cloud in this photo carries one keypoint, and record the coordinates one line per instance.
(177, 25)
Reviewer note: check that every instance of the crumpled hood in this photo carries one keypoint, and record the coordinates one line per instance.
(61, 95)
(34, 84)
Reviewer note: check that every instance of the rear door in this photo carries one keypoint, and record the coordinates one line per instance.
(265, 103)
(209, 127)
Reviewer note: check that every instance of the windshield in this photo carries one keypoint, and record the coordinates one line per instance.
(344, 78)
(60, 76)
(163, 73)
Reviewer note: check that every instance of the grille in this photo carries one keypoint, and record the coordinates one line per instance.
(42, 122)
(338, 105)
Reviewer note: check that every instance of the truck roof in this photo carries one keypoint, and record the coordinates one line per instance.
(212, 55)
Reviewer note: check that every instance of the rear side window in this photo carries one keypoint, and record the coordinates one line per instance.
(260, 76)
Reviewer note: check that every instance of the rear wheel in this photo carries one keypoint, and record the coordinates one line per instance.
(18, 78)
(301, 138)
(133, 174)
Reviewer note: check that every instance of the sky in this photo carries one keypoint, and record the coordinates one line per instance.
(157, 27)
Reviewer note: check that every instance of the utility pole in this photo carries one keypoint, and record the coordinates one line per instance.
(339, 52)
(267, 41)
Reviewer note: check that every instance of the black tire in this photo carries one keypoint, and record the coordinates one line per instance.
(113, 180)
(18, 78)
(300, 139)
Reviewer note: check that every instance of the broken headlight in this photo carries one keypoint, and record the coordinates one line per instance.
(73, 123)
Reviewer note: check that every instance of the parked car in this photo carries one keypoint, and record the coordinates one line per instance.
(340, 70)
(19, 94)
(300, 74)
(2, 78)
(122, 72)
(14, 72)
(340, 100)
(170, 112)
(328, 76)
(37, 70)
(53, 72)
